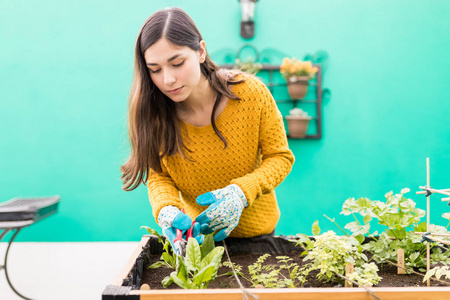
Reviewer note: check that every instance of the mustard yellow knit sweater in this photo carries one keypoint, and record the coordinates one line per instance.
(257, 159)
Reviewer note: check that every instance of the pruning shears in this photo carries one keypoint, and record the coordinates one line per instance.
(179, 243)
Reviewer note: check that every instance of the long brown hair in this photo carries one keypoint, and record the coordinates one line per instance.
(153, 126)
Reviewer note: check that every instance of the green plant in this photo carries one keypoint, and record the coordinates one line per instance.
(199, 267)
(295, 278)
(168, 260)
(438, 272)
(330, 253)
(298, 112)
(248, 66)
(366, 274)
(266, 275)
(271, 275)
(400, 217)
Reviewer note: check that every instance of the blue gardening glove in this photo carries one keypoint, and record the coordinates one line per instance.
(170, 219)
(225, 209)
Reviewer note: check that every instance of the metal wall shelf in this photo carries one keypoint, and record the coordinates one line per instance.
(271, 69)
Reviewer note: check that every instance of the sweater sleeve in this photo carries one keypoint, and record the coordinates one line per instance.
(162, 191)
(277, 158)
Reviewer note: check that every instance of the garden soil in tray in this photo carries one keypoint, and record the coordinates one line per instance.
(153, 277)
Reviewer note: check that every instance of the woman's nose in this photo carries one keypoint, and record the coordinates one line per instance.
(169, 78)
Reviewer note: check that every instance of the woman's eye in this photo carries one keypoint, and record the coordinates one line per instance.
(151, 71)
(179, 64)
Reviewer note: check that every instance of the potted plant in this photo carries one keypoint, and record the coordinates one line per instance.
(248, 66)
(297, 74)
(297, 122)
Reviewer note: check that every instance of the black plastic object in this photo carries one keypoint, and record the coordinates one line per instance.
(118, 293)
(279, 245)
(24, 209)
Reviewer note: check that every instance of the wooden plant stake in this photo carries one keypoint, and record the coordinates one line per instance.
(401, 262)
(348, 271)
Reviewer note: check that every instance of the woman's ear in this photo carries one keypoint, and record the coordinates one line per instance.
(202, 51)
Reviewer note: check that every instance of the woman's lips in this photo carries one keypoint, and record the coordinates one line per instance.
(175, 91)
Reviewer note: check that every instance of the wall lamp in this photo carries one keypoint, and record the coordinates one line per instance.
(247, 14)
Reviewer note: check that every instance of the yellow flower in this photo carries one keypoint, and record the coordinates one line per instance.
(286, 61)
(295, 67)
(298, 65)
(308, 66)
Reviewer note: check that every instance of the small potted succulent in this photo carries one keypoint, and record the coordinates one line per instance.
(297, 122)
(297, 74)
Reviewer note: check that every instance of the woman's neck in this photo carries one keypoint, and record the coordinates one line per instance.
(201, 99)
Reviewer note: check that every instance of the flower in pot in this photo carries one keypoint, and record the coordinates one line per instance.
(297, 74)
(297, 122)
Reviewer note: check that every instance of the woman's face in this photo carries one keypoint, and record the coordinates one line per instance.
(175, 70)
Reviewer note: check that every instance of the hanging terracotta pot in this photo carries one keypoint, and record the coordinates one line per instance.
(297, 126)
(298, 87)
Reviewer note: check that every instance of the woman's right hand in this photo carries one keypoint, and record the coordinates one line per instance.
(170, 219)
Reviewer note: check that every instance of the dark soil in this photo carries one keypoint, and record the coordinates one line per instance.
(153, 277)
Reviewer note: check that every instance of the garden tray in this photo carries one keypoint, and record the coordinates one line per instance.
(127, 283)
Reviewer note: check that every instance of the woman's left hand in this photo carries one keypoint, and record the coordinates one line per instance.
(224, 211)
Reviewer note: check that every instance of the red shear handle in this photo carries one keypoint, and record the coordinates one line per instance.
(179, 236)
(189, 231)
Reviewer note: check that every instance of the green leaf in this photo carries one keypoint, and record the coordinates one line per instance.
(414, 256)
(303, 239)
(213, 258)
(180, 282)
(294, 272)
(438, 273)
(390, 233)
(166, 246)
(157, 265)
(349, 207)
(422, 227)
(367, 219)
(401, 233)
(204, 275)
(168, 258)
(316, 228)
(208, 245)
(446, 216)
(193, 255)
(360, 238)
(182, 270)
(152, 231)
(364, 203)
(167, 281)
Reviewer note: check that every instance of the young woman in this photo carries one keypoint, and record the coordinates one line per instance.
(206, 140)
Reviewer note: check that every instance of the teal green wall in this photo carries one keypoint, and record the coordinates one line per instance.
(65, 73)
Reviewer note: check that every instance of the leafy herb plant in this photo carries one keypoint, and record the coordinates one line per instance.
(400, 217)
(438, 272)
(330, 253)
(168, 259)
(197, 269)
(271, 275)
